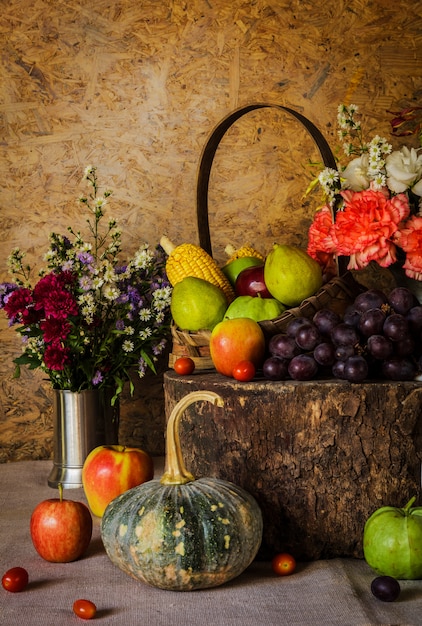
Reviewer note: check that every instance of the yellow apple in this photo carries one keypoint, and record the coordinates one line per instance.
(235, 340)
(109, 471)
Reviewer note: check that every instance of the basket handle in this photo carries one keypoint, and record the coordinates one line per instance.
(210, 148)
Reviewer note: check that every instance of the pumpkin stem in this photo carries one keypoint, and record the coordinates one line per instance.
(175, 471)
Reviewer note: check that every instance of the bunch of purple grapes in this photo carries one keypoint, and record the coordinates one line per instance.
(378, 337)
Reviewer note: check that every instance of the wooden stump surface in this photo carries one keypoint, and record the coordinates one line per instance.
(318, 456)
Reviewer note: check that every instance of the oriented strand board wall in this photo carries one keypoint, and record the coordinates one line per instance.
(135, 87)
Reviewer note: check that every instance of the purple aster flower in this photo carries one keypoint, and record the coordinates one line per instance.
(159, 347)
(98, 378)
(86, 258)
(5, 290)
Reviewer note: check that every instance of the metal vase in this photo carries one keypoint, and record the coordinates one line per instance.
(81, 422)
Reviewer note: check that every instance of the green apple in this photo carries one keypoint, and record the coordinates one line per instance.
(392, 541)
(233, 269)
(256, 308)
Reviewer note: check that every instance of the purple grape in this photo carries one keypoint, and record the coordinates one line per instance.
(295, 324)
(371, 299)
(351, 316)
(379, 347)
(275, 368)
(371, 322)
(414, 319)
(342, 353)
(396, 327)
(344, 335)
(385, 588)
(284, 346)
(401, 300)
(325, 320)
(399, 368)
(338, 369)
(405, 347)
(355, 369)
(324, 353)
(308, 336)
(303, 367)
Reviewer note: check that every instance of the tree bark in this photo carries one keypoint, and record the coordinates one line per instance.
(318, 456)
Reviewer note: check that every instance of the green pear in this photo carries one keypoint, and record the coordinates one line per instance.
(291, 275)
(197, 304)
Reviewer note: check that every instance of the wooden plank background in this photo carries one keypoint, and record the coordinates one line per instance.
(135, 87)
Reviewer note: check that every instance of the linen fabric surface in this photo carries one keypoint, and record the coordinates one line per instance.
(320, 593)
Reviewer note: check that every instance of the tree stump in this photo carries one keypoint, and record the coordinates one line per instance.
(318, 456)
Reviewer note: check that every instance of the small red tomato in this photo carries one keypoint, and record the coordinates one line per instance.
(283, 564)
(244, 371)
(184, 366)
(15, 579)
(84, 609)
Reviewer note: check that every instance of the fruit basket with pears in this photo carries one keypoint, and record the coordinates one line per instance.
(204, 293)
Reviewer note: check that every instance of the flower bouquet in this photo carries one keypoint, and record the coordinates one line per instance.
(377, 200)
(90, 320)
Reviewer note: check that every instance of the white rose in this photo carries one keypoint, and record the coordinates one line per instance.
(404, 171)
(356, 174)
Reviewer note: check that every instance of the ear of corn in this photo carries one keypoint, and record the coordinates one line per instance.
(246, 250)
(187, 259)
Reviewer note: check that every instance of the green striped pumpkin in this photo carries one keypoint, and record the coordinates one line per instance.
(179, 533)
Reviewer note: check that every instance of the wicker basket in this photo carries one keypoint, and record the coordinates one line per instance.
(337, 294)
(194, 345)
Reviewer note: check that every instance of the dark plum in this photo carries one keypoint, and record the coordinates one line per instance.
(371, 322)
(355, 369)
(303, 367)
(344, 335)
(401, 300)
(275, 368)
(385, 588)
(399, 368)
(325, 320)
(396, 327)
(371, 299)
(379, 347)
(308, 336)
(283, 345)
(324, 353)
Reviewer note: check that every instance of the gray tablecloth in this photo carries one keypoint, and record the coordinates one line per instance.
(320, 593)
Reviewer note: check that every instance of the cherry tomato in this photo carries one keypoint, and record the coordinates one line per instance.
(244, 371)
(184, 366)
(84, 609)
(15, 579)
(283, 564)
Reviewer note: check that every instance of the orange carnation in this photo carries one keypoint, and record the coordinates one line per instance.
(320, 243)
(364, 230)
(410, 240)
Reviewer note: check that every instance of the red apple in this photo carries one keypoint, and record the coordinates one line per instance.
(235, 340)
(61, 529)
(109, 471)
(250, 282)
